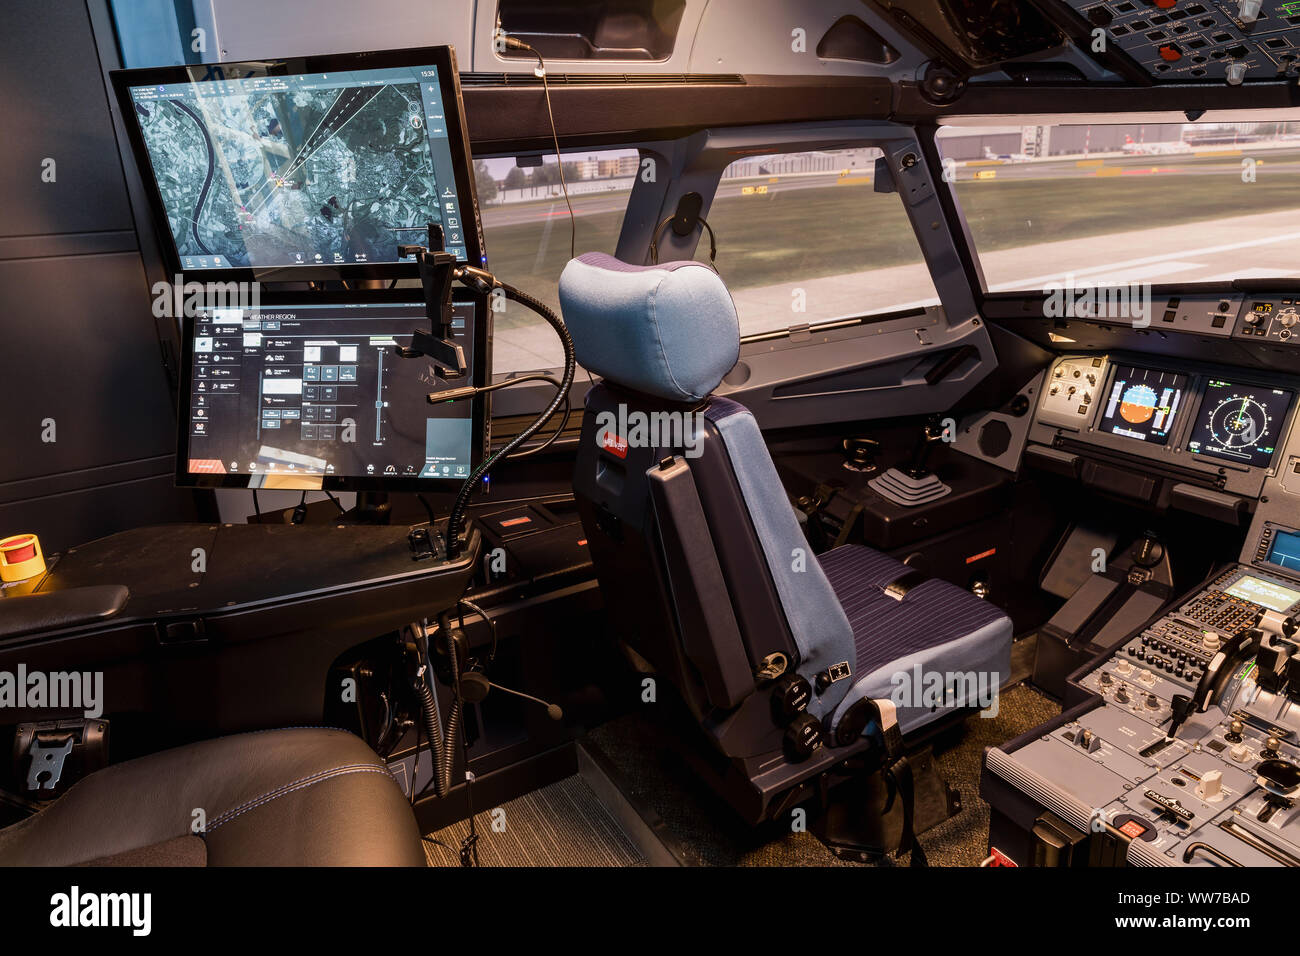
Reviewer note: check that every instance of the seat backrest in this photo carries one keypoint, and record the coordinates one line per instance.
(704, 568)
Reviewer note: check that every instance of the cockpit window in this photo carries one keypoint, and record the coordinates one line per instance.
(526, 231)
(805, 238)
(1127, 202)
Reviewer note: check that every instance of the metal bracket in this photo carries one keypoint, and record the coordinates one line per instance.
(46, 767)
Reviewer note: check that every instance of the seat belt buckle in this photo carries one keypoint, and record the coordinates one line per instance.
(51, 755)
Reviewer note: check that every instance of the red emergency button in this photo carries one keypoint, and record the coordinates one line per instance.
(1170, 54)
(1165, 4)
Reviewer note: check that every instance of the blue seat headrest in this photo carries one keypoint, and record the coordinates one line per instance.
(668, 330)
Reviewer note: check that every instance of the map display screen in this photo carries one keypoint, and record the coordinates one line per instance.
(325, 168)
(1240, 423)
(1143, 404)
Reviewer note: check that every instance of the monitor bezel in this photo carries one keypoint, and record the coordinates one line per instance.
(1277, 531)
(441, 57)
(481, 405)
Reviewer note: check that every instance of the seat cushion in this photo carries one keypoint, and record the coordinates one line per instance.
(294, 797)
(937, 635)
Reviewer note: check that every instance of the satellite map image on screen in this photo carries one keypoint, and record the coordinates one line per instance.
(302, 176)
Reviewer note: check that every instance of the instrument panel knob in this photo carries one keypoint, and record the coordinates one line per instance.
(1211, 787)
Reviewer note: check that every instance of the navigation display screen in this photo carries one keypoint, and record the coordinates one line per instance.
(1240, 423)
(1143, 404)
(322, 168)
(1285, 552)
(1264, 593)
(285, 396)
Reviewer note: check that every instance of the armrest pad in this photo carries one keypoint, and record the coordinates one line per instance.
(710, 633)
(31, 613)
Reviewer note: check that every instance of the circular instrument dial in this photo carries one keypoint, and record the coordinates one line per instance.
(1239, 422)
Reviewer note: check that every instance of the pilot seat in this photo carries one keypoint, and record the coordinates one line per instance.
(804, 673)
(298, 796)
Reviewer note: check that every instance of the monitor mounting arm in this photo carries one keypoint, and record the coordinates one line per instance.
(438, 269)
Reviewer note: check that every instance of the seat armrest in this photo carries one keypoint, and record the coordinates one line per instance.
(709, 631)
(54, 610)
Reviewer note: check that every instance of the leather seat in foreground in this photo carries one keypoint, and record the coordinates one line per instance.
(294, 797)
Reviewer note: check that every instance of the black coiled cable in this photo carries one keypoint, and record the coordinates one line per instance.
(445, 759)
(457, 517)
(429, 713)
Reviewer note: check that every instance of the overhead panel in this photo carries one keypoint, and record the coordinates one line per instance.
(1184, 41)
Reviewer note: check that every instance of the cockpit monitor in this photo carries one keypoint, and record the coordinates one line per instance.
(1143, 404)
(304, 167)
(1240, 423)
(311, 394)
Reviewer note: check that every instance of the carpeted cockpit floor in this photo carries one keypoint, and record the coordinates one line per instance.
(565, 824)
(651, 771)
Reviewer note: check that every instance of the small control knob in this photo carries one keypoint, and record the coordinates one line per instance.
(1105, 679)
(790, 696)
(1240, 753)
(1211, 641)
(1121, 695)
(1248, 10)
(1152, 702)
(1270, 748)
(1211, 788)
(1147, 678)
(1235, 73)
(1124, 668)
(1233, 736)
(1288, 318)
(803, 737)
